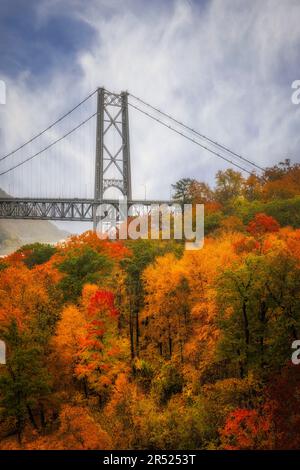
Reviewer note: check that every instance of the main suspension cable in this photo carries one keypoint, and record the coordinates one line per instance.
(49, 127)
(190, 138)
(48, 146)
(199, 134)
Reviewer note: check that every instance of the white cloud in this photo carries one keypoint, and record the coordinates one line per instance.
(224, 67)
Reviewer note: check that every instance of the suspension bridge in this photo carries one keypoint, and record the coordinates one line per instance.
(94, 135)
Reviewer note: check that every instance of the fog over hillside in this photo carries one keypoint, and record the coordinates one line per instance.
(15, 233)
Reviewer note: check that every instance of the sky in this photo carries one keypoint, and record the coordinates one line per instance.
(223, 67)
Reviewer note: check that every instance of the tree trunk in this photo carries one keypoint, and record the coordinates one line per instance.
(31, 417)
(42, 416)
(131, 332)
(246, 329)
(170, 341)
(137, 333)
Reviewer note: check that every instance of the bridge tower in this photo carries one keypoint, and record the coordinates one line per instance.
(112, 163)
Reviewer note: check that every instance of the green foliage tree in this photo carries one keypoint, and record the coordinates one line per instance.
(259, 312)
(81, 266)
(229, 184)
(182, 190)
(168, 382)
(36, 253)
(24, 381)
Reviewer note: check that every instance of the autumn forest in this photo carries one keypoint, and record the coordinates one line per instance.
(140, 344)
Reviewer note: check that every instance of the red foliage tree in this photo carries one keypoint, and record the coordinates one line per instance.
(101, 351)
(261, 224)
(245, 430)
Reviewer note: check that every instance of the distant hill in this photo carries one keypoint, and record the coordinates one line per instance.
(15, 233)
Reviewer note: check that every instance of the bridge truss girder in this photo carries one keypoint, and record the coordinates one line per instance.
(83, 210)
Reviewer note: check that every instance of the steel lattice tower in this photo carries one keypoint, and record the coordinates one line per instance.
(112, 163)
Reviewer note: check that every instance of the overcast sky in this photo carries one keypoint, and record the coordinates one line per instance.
(223, 66)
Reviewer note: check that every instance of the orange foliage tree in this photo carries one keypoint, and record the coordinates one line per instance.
(77, 430)
(166, 315)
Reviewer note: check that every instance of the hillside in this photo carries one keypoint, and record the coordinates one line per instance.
(15, 233)
(138, 344)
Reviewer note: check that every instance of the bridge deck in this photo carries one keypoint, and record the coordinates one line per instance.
(60, 209)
